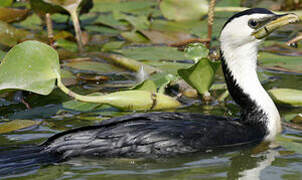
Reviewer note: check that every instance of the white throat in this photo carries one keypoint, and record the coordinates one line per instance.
(242, 62)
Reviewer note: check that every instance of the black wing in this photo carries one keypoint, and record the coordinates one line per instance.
(152, 134)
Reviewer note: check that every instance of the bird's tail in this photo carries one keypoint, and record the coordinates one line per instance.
(25, 159)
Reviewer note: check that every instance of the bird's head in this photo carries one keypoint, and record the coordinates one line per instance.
(252, 26)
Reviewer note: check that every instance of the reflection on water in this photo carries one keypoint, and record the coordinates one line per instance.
(249, 163)
(252, 163)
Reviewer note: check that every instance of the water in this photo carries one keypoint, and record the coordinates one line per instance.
(260, 162)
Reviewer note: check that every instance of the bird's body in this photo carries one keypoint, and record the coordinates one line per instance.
(167, 134)
(157, 134)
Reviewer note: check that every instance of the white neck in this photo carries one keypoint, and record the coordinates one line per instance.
(242, 63)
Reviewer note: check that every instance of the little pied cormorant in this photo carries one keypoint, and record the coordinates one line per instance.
(161, 134)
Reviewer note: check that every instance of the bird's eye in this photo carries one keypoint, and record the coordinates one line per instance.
(253, 23)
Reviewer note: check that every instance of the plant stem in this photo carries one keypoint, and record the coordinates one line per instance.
(229, 9)
(49, 29)
(210, 21)
(128, 63)
(77, 29)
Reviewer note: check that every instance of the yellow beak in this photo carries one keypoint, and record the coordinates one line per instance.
(277, 22)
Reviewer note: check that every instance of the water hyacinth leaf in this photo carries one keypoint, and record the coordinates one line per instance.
(161, 80)
(81, 106)
(147, 85)
(138, 22)
(292, 97)
(290, 143)
(168, 66)
(125, 6)
(127, 100)
(280, 63)
(153, 53)
(163, 37)
(196, 51)
(184, 9)
(6, 3)
(30, 66)
(112, 45)
(93, 67)
(134, 36)
(10, 36)
(11, 15)
(2, 54)
(200, 75)
(297, 119)
(138, 100)
(16, 125)
(68, 45)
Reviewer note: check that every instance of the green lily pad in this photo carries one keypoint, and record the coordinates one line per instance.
(169, 67)
(30, 66)
(161, 80)
(292, 97)
(112, 45)
(290, 143)
(10, 35)
(184, 9)
(11, 15)
(134, 36)
(138, 22)
(6, 3)
(137, 100)
(2, 54)
(280, 63)
(81, 106)
(16, 125)
(128, 6)
(200, 75)
(147, 85)
(68, 45)
(153, 53)
(93, 66)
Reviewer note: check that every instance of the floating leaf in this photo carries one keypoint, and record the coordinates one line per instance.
(297, 119)
(138, 22)
(11, 15)
(147, 85)
(292, 144)
(196, 51)
(68, 45)
(163, 37)
(134, 36)
(161, 80)
(184, 9)
(2, 54)
(112, 45)
(81, 106)
(281, 63)
(153, 53)
(128, 6)
(200, 75)
(10, 35)
(16, 125)
(292, 97)
(169, 67)
(6, 3)
(127, 100)
(30, 66)
(138, 100)
(93, 66)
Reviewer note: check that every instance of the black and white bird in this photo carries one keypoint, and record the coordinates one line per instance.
(159, 134)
